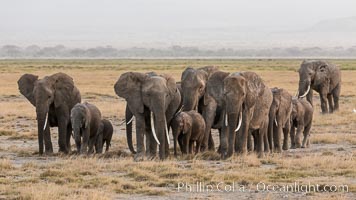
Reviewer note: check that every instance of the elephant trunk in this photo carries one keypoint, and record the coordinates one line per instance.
(272, 118)
(190, 101)
(128, 119)
(159, 130)
(304, 88)
(42, 123)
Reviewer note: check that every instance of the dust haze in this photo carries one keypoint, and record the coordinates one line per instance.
(160, 24)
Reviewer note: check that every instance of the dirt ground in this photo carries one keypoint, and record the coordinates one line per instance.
(329, 162)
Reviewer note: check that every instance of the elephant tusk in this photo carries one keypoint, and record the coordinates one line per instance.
(297, 93)
(275, 121)
(305, 94)
(226, 120)
(130, 120)
(153, 129)
(44, 127)
(179, 111)
(240, 122)
(167, 131)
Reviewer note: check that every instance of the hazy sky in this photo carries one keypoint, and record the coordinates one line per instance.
(29, 21)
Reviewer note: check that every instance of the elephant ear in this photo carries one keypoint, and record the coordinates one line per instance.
(63, 88)
(129, 87)
(171, 84)
(26, 84)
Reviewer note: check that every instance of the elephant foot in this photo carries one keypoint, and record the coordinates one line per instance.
(48, 153)
(151, 156)
(285, 148)
(139, 157)
(260, 155)
(278, 150)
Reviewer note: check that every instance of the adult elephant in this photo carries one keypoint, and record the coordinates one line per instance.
(129, 117)
(213, 103)
(193, 83)
(247, 103)
(153, 100)
(279, 119)
(53, 96)
(324, 78)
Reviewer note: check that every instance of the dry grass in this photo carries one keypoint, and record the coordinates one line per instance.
(115, 174)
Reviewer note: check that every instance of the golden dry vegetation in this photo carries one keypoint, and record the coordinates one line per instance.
(25, 175)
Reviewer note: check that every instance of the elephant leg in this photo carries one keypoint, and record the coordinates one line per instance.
(292, 137)
(286, 130)
(336, 95)
(191, 146)
(255, 139)
(223, 140)
(47, 140)
(209, 115)
(211, 145)
(68, 136)
(180, 142)
(99, 143)
(62, 134)
(107, 145)
(265, 138)
(91, 144)
(186, 144)
(140, 130)
(259, 136)
(306, 136)
(323, 102)
(197, 147)
(250, 142)
(331, 103)
(300, 129)
(246, 116)
(85, 143)
(277, 139)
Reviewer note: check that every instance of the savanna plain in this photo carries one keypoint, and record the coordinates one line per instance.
(114, 175)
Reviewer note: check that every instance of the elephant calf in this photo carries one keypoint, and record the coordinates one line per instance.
(86, 120)
(301, 118)
(105, 134)
(188, 127)
(279, 119)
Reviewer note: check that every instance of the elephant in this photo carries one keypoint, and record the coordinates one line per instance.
(324, 78)
(53, 96)
(153, 101)
(279, 119)
(86, 121)
(187, 128)
(247, 104)
(106, 131)
(193, 83)
(302, 119)
(129, 116)
(213, 103)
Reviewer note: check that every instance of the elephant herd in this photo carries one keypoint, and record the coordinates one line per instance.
(248, 115)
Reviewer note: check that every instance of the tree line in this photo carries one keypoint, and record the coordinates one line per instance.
(60, 51)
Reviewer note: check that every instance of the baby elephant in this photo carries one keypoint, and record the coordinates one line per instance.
(187, 128)
(105, 134)
(86, 120)
(301, 118)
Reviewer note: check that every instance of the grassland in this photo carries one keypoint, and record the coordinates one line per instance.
(25, 175)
